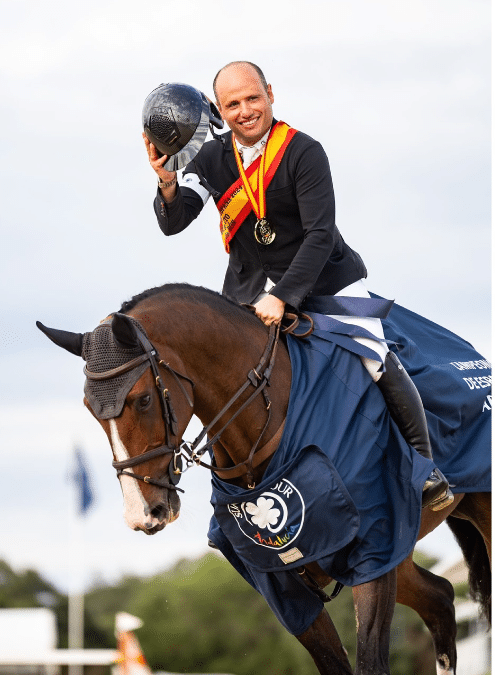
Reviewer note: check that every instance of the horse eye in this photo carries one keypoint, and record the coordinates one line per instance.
(144, 401)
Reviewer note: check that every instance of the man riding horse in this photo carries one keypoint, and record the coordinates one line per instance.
(273, 188)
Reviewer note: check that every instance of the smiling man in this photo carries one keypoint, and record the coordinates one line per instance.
(273, 189)
(245, 101)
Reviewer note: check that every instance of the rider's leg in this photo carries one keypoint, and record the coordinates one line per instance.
(406, 409)
(402, 399)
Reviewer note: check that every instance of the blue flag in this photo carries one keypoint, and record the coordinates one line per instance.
(80, 476)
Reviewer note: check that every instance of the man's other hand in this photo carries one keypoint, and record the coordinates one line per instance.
(270, 309)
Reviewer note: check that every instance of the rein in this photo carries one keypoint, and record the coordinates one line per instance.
(258, 377)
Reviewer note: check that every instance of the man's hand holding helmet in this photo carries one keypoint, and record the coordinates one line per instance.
(176, 119)
(168, 179)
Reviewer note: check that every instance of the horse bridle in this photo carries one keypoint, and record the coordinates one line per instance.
(150, 354)
(258, 377)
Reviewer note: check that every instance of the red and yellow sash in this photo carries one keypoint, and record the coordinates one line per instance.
(234, 206)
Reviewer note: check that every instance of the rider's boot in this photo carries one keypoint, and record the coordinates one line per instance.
(406, 409)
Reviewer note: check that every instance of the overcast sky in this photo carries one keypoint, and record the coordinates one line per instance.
(398, 92)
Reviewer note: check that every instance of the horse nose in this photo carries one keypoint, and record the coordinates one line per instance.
(149, 524)
(153, 526)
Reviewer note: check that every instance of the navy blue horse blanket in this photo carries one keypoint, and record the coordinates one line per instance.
(343, 487)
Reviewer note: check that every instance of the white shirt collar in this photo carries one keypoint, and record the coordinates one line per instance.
(259, 145)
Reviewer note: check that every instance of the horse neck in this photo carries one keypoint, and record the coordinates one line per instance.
(218, 355)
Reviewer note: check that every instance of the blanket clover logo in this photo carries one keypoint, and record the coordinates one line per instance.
(262, 512)
(275, 518)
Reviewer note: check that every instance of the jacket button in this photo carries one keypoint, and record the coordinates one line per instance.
(267, 267)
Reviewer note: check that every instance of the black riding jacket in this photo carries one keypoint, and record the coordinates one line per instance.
(308, 254)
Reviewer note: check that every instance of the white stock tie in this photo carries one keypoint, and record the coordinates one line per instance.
(248, 155)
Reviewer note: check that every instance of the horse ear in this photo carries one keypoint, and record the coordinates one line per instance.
(72, 342)
(124, 331)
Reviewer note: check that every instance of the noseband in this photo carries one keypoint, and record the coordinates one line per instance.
(258, 378)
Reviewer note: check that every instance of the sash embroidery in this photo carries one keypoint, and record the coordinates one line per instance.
(234, 206)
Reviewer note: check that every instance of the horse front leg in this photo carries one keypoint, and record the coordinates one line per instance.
(374, 603)
(323, 643)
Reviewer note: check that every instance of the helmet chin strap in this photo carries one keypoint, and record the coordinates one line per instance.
(215, 117)
(217, 137)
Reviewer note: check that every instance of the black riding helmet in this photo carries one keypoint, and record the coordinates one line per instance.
(176, 118)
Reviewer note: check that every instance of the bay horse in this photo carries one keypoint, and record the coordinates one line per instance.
(190, 351)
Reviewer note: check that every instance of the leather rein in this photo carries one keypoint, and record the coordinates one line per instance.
(258, 377)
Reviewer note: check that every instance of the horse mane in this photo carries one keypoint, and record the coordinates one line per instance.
(196, 294)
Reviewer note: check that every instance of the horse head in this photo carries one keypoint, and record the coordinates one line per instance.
(129, 389)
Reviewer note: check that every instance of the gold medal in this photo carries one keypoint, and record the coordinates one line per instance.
(263, 232)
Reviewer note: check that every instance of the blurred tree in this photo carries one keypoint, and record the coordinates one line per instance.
(201, 616)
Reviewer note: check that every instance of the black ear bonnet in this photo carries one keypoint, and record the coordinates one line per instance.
(102, 352)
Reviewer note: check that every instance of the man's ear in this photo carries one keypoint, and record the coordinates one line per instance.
(269, 91)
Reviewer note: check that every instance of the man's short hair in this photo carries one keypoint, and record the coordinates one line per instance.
(241, 63)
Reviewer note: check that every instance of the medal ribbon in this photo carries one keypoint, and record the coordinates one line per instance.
(235, 205)
(259, 209)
